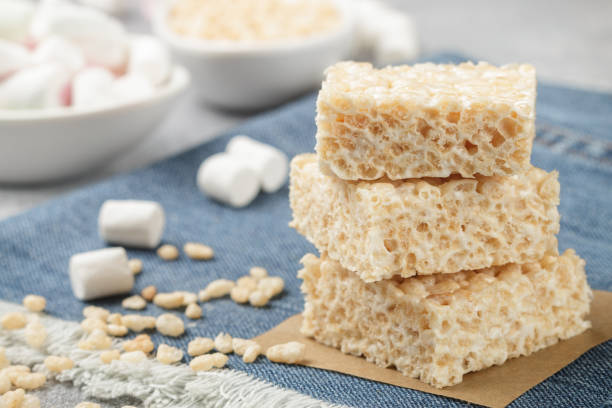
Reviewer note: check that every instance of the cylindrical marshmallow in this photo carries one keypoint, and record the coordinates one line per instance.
(132, 223)
(37, 87)
(269, 164)
(101, 38)
(130, 88)
(13, 57)
(56, 49)
(91, 87)
(15, 16)
(149, 58)
(228, 179)
(100, 273)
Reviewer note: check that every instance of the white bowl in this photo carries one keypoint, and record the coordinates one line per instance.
(253, 76)
(48, 145)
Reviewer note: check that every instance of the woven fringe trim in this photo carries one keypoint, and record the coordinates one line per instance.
(156, 385)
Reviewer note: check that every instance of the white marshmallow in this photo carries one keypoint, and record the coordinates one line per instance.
(100, 273)
(398, 40)
(228, 179)
(132, 223)
(130, 88)
(149, 58)
(101, 38)
(269, 164)
(15, 17)
(56, 49)
(13, 57)
(91, 87)
(115, 7)
(37, 87)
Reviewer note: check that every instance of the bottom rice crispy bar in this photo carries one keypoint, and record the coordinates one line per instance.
(439, 327)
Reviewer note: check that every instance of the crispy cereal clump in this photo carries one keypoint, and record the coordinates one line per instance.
(141, 342)
(97, 340)
(29, 381)
(96, 312)
(12, 399)
(58, 364)
(287, 353)
(199, 346)
(168, 354)
(198, 252)
(170, 325)
(34, 303)
(208, 361)
(13, 321)
(138, 323)
(193, 311)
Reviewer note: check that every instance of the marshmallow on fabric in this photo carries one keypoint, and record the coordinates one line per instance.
(228, 179)
(100, 273)
(102, 39)
(56, 49)
(37, 87)
(15, 17)
(91, 86)
(132, 223)
(13, 57)
(269, 164)
(150, 58)
(130, 88)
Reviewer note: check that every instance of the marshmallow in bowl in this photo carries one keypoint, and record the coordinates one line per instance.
(35, 87)
(228, 180)
(267, 162)
(134, 223)
(15, 16)
(102, 39)
(398, 40)
(89, 87)
(13, 57)
(100, 273)
(149, 58)
(56, 49)
(131, 87)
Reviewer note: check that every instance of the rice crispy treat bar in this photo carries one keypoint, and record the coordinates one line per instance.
(437, 328)
(425, 120)
(425, 226)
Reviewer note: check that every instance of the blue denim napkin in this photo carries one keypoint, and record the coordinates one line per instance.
(574, 136)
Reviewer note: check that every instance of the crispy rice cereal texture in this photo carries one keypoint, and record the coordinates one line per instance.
(437, 328)
(425, 120)
(422, 227)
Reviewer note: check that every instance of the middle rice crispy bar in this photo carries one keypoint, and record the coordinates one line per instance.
(425, 226)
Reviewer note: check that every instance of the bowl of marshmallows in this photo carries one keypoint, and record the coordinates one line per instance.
(76, 89)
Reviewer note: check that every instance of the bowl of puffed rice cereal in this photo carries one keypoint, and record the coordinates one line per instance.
(246, 55)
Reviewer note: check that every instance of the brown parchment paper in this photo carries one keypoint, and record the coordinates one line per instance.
(494, 387)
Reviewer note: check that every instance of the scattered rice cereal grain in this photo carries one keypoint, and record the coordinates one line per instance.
(240, 345)
(271, 286)
(133, 356)
(247, 282)
(208, 361)
(109, 355)
(5, 383)
(35, 334)
(3, 360)
(96, 312)
(12, 399)
(58, 364)
(259, 298)
(115, 318)
(251, 353)
(135, 302)
(168, 252)
(223, 343)
(149, 293)
(116, 330)
(198, 252)
(90, 324)
(135, 265)
(87, 404)
(34, 303)
(30, 381)
(188, 297)
(199, 346)
(170, 325)
(138, 323)
(141, 342)
(258, 272)
(240, 294)
(13, 321)
(288, 353)
(171, 300)
(97, 340)
(30, 401)
(168, 354)
(216, 289)
(193, 311)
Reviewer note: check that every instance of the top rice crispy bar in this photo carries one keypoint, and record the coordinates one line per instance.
(425, 120)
